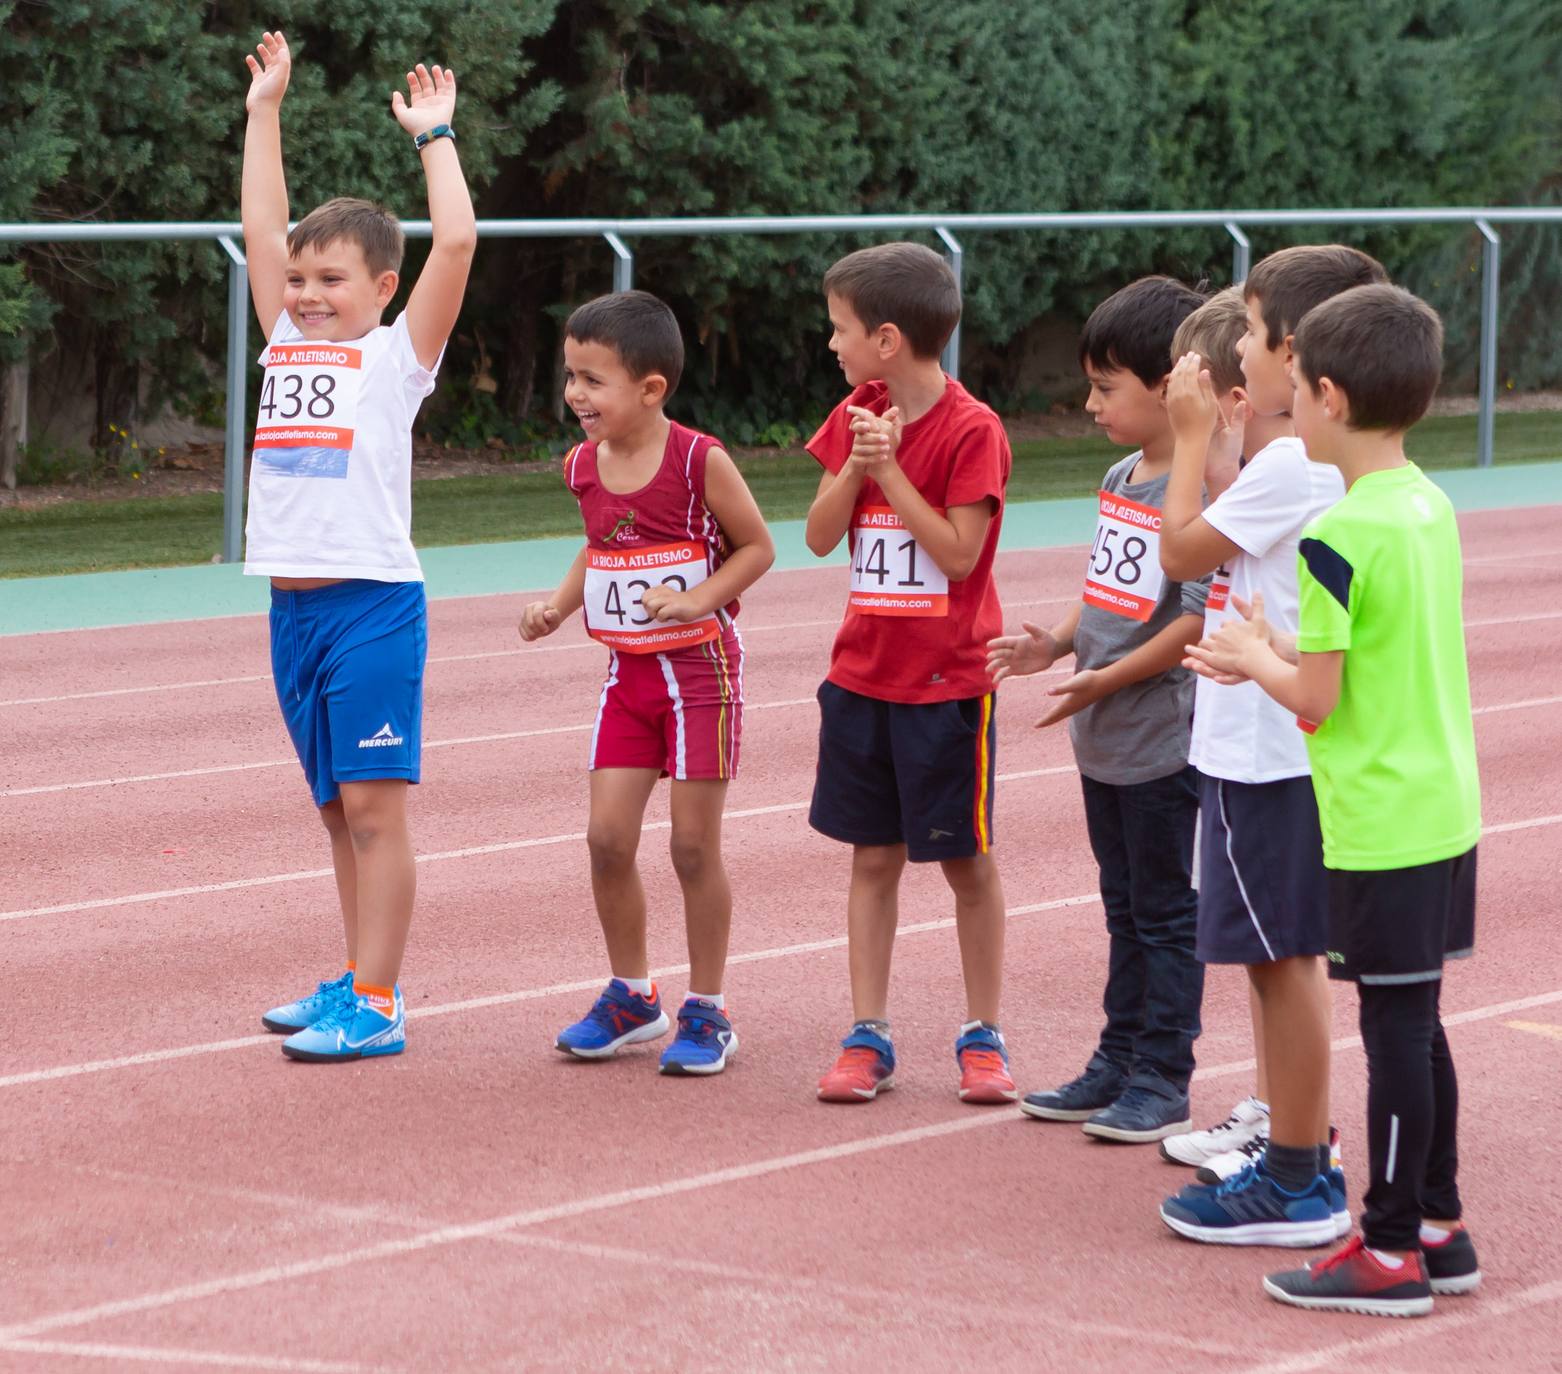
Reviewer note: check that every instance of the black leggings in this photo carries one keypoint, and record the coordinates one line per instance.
(1412, 1114)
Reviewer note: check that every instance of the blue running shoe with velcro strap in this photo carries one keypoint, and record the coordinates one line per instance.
(352, 1031)
(705, 1040)
(1252, 1209)
(300, 1015)
(619, 1017)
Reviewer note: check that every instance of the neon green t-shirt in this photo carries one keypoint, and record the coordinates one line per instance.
(1394, 764)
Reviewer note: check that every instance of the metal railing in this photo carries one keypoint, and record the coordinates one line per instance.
(617, 232)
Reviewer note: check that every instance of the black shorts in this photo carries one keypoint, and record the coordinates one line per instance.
(1398, 925)
(897, 773)
(1262, 892)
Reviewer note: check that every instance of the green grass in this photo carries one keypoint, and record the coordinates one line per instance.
(146, 532)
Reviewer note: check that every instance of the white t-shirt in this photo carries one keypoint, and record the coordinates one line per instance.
(330, 483)
(1239, 733)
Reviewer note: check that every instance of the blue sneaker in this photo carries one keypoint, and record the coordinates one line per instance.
(705, 1040)
(300, 1015)
(1099, 1086)
(1339, 1207)
(619, 1017)
(1252, 1209)
(354, 1030)
(1147, 1110)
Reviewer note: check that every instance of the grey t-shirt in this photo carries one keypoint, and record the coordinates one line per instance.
(1141, 732)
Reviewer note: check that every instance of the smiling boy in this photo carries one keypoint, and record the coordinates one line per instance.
(330, 516)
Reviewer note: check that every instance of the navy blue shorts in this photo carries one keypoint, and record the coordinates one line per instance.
(347, 661)
(1262, 891)
(896, 773)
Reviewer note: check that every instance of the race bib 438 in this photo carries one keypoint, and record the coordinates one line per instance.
(1124, 573)
(891, 575)
(616, 579)
(308, 409)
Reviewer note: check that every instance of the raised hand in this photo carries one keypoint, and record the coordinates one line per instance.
(1190, 399)
(537, 620)
(1018, 655)
(1084, 689)
(268, 75)
(874, 437)
(430, 99)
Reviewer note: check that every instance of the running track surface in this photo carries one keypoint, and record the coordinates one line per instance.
(174, 1193)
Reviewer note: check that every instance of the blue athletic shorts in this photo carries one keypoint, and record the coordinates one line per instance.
(347, 661)
(1262, 891)
(920, 775)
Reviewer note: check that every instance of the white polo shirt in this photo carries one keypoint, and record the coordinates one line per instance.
(330, 484)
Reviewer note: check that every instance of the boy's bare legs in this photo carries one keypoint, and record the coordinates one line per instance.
(979, 922)
(618, 800)
(1256, 1010)
(872, 913)
(345, 866)
(1294, 997)
(384, 875)
(697, 807)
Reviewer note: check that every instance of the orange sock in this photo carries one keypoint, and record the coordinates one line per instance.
(383, 1000)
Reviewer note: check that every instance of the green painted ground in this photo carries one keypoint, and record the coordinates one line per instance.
(31, 605)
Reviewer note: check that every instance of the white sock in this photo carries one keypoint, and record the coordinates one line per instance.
(641, 985)
(1433, 1235)
(1260, 1104)
(970, 1026)
(716, 999)
(1387, 1261)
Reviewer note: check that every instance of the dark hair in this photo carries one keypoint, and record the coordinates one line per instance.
(636, 325)
(1291, 282)
(903, 284)
(1133, 328)
(372, 227)
(1381, 346)
(1212, 332)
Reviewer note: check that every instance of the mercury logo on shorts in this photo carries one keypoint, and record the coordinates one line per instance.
(383, 738)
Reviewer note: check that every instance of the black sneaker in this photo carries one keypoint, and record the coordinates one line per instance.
(1143, 1113)
(1099, 1086)
(1451, 1266)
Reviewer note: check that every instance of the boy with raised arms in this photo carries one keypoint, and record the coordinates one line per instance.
(915, 470)
(673, 538)
(330, 516)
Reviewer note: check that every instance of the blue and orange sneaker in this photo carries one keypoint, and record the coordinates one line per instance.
(865, 1069)
(300, 1015)
(619, 1017)
(984, 1066)
(705, 1040)
(1352, 1279)
(352, 1030)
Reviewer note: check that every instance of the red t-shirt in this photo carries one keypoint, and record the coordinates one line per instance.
(923, 644)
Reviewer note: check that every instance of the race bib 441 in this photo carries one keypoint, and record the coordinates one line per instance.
(617, 579)
(891, 575)
(1124, 573)
(308, 409)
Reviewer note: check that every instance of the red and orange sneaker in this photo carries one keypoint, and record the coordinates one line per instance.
(865, 1069)
(984, 1066)
(1353, 1279)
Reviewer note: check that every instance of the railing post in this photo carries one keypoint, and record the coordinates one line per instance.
(1241, 253)
(1491, 266)
(238, 363)
(956, 257)
(623, 262)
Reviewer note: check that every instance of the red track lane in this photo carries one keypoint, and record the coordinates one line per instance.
(990, 1242)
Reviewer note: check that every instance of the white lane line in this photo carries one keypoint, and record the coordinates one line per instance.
(502, 999)
(282, 763)
(1515, 705)
(209, 1359)
(1355, 1354)
(471, 851)
(585, 1206)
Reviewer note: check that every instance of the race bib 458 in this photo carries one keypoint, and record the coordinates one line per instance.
(308, 409)
(891, 575)
(1124, 573)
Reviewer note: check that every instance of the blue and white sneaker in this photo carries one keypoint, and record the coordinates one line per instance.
(300, 1015)
(1252, 1209)
(705, 1039)
(354, 1030)
(1339, 1207)
(619, 1017)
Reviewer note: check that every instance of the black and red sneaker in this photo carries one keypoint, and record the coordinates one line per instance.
(1353, 1280)
(1451, 1265)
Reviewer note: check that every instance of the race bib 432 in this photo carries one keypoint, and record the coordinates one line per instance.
(1124, 573)
(308, 409)
(891, 575)
(616, 579)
